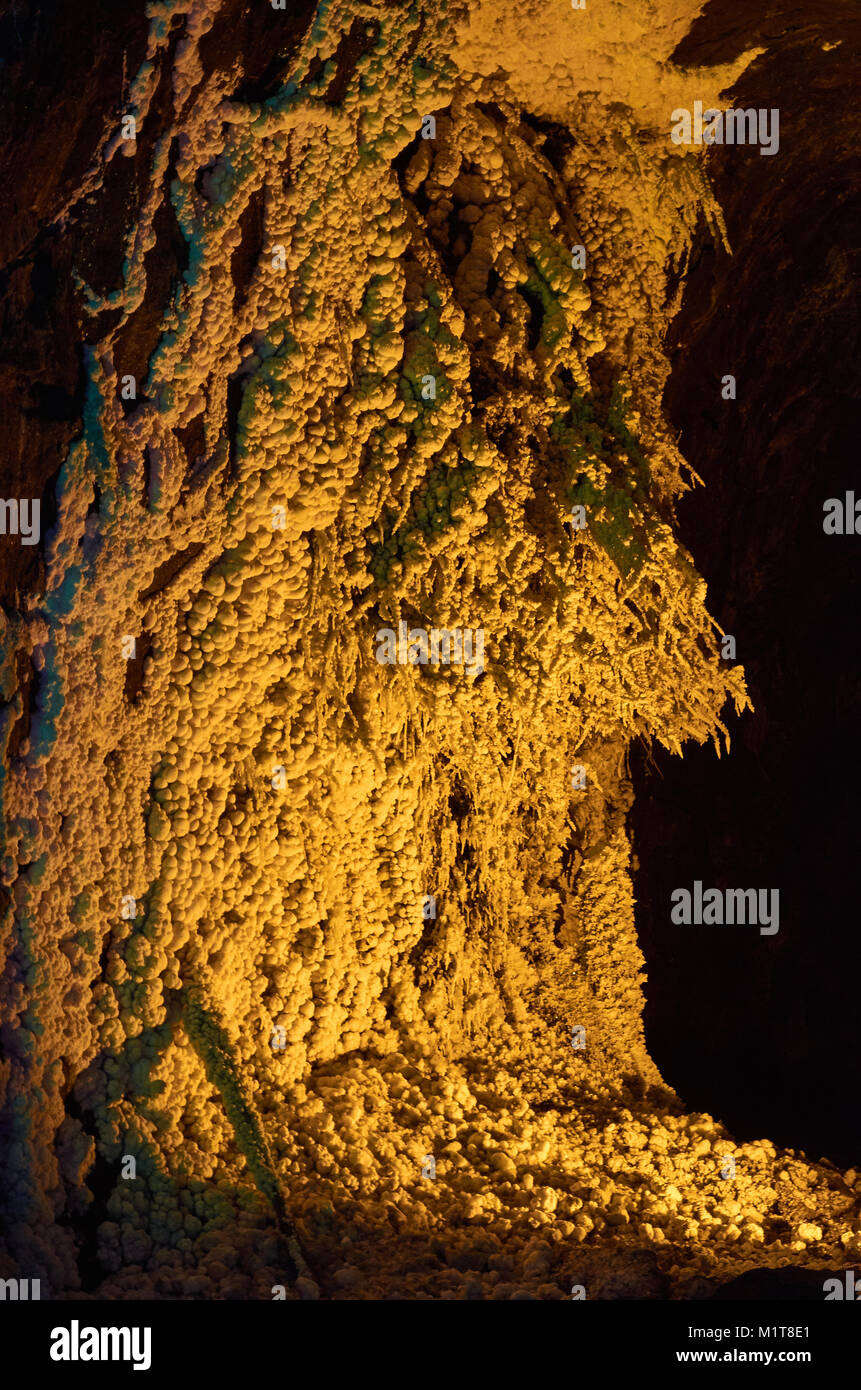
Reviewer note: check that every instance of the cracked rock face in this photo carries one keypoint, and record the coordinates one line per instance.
(333, 347)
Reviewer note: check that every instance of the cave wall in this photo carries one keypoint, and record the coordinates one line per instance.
(223, 815)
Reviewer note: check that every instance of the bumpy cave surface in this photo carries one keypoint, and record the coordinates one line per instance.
(323, 327)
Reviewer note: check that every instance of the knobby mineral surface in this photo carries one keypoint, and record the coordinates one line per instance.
(375, 380)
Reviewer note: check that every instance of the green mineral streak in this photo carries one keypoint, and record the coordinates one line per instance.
(623, 528)
(210, 1041)
(553, 324)
(435, 508)
(616, 534)
(617, 425)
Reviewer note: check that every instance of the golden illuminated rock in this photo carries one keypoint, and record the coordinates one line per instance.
(288, 919)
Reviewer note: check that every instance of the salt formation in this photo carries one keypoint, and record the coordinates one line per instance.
(224, 816)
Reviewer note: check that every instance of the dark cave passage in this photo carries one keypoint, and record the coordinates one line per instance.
(763, 1030)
